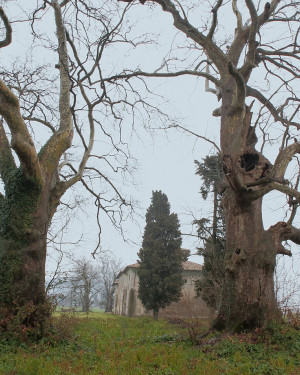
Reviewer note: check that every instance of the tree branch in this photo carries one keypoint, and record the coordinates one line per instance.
(7, 163)
(283, 159)
(195, 134)
(242, 33)
(250, 91)
(87, 152)
(8, 31)
(163, 75)
(252, 45)
(281, 231)
(46, 123)
(215, 19)
(268, 10)
(21, 140)
(61, 140)
(239, 101)
(239, 20)
(252, 195)
(212, 50)
(279, 53)
(293, 234)
(63, 3)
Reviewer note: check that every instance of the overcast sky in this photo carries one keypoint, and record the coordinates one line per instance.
(165, 162)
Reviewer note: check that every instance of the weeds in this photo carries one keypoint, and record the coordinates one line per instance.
(103, 344)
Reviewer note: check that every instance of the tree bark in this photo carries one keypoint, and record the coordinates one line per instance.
(248, 298)
(24, 216)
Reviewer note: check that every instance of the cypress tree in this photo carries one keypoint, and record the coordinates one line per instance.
(161, 257)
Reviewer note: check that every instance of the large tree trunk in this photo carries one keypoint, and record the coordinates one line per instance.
(248, 299)
(24, 214)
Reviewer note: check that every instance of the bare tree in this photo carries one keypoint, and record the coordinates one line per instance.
(108, 270)
(83, 281)
(88, 282)
(248, 53)
(287, 288)
(48, 134)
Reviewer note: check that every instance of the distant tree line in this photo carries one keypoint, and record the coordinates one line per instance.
(89, 283)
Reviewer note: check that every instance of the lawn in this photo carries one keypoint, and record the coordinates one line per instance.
(105, 344)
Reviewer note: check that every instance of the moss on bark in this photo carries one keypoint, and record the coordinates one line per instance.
(17, 211)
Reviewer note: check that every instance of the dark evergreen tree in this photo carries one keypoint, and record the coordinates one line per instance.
(161, 257)
(211, 231)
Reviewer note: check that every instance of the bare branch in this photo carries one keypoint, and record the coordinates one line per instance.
(241, 88)
(268, 10)
(242, 33)
(212, 50)
(8, 36)
(266, 102)
(293, 234)
(195, 134)
(215, 91)
(62, 139)
(279, 53)
(283, 188)
(21, 140)
(280, 232)
(64, 3)
(7, 163)
(252, 45)
(238, 15)
(163, 75)
(215, 19)
(46, 123)
(283, 159)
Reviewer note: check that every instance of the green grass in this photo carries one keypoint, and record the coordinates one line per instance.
(105, 344)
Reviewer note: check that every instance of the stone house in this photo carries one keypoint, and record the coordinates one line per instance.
(126, 301)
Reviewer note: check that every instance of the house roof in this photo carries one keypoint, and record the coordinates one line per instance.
(191, 266)
(187, 266)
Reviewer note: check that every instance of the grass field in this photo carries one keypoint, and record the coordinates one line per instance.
(105, 344)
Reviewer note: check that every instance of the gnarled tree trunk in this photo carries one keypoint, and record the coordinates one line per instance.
(25, 216)
(248, 299)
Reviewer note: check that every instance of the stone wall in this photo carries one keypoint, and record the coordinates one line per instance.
(126, 301)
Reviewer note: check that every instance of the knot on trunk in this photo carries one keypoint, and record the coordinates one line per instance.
(237, 257)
